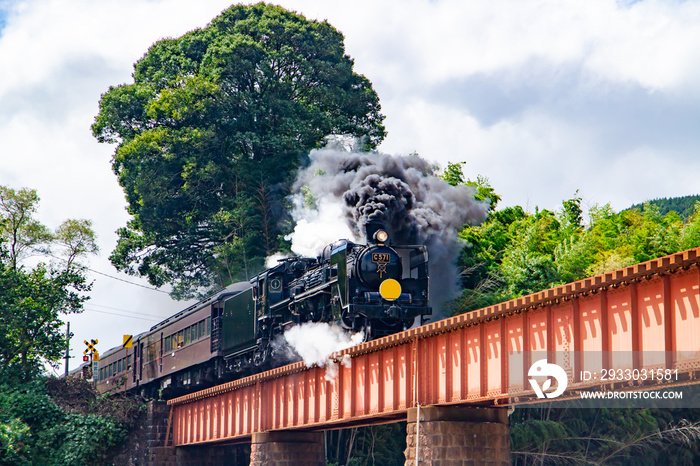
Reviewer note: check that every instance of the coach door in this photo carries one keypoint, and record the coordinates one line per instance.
(140, 361)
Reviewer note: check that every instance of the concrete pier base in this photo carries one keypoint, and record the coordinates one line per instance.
(283, 448)
(449, 436)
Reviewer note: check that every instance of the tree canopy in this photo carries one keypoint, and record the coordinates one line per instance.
(32, 300)
(683, 206)
(515, 253)
(211, 131)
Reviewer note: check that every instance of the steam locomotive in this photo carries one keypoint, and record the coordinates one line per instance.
(378, 288)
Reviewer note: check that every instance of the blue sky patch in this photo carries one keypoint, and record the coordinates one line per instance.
(4, 7)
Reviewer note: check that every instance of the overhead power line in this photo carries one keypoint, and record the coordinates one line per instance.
(125, 281)
(122, 315)
(127, 311)
(99, 273)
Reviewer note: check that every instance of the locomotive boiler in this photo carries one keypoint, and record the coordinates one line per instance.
(377, 288)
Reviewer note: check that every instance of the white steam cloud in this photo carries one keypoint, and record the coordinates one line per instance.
(317, 225)
(315, 342)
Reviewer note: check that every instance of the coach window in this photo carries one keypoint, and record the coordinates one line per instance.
(180, 338)
(208, 325)
(201, 329)
(128, 362)
(193, 330)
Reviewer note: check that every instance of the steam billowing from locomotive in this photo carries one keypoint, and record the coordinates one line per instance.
(340, 192)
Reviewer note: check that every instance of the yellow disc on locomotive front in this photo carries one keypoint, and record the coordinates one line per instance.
(390, 289)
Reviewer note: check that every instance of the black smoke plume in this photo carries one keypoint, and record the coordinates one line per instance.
(403, 192)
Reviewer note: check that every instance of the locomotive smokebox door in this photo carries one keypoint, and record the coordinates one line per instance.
(377, 264)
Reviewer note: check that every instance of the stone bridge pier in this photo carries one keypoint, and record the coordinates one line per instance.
(456, 435)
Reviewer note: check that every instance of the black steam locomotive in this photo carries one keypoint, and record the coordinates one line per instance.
(378, 288)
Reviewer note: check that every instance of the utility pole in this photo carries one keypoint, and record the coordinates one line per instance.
(67, 356)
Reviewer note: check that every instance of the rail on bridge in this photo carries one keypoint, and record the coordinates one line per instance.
(640, 318)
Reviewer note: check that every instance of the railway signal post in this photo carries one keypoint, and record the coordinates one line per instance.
(91, 355)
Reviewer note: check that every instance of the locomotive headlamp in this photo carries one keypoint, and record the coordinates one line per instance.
(381, 236)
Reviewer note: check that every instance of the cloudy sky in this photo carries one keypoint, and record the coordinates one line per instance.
(542, 97)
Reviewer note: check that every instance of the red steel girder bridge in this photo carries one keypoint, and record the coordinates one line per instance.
(636, 320)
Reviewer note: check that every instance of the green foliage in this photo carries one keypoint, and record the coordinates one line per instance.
(515, 253)
(551, 435)
(482, 187)
(34, 429)
(19, 230)
(30, 327)
(453, 174)
(373, 445)
(13, 450)
(85, 439)
(32, 300)
(211, 131)
(77, 239)
(684, 206)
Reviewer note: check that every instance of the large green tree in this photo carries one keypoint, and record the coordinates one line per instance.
(31, 305)
(32, 300)
(210, 132)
